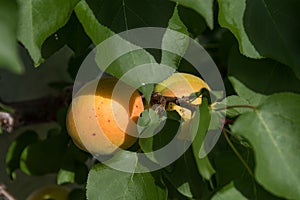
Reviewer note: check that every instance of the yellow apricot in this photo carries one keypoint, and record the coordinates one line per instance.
(103, 115)
(182, 85)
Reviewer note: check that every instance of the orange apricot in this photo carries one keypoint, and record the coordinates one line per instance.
(103, 116)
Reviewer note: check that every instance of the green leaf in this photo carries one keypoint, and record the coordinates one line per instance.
(15, 150)
(273, 131)
(73, 168)
(72, 172)
(45, 156)
(270, 76)
(204, 8)
(187, 182)
(251, 97)
(122, 15)
(228, 192)
(199, 125)
(233, 100)
(277, 33)
(9, 58)
(115, 48)
(148, 122)
(165, 135)
(231, 15)
(174, 44)
(40, 19)
(106, 183)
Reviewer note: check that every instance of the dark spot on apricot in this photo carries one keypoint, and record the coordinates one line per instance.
(108, 121)
(93, 134)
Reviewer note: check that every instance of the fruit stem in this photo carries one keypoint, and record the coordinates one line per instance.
(236, 106)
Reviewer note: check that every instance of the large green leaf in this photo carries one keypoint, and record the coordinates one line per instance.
(120, 15)
(204, 8)
(273, 131)
(8, 50)
(277, 33)
(231, 15)
(270, 76)
(174, 44)
(117, 48)
(228, 192)
(38, 19)
(106, 183)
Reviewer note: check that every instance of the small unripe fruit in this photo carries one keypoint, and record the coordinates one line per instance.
(50, 192)
(102, 117)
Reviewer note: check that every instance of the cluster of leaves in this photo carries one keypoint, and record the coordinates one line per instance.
(253, 42)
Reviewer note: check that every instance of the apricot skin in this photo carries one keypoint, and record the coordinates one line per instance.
(100, 121)
(181, 84)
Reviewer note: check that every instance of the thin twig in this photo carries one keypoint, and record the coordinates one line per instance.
(4, 193)
(238, 154)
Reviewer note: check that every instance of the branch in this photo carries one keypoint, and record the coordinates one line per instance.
(34, 111)
(5, 194)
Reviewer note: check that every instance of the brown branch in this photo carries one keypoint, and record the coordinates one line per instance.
(34, 111)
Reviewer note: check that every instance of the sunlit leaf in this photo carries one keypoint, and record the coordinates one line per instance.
(273, 131)
(231, 15)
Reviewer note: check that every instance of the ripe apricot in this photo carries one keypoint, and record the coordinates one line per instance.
(100, 120)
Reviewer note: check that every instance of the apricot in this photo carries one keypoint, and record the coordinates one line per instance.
(103, 115)
(53, 192)
(182, 85)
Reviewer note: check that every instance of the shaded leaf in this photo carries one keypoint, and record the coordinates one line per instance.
(270, 76)
(165, 133)
(231, 15)
(122, 15)
(45, 156)
(228, 192)
(277, 33)
(184, 176)
(9, 58)
(273, 131)
(77, 194)
(15, 150)
(204, 8)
